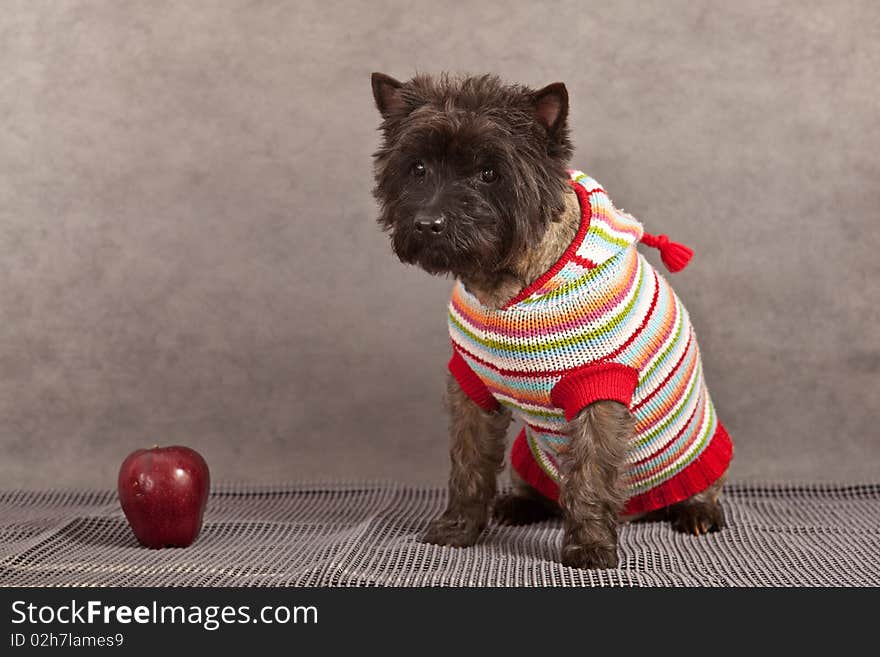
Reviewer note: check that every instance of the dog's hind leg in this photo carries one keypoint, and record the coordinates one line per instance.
(699, 514)
(524, 505)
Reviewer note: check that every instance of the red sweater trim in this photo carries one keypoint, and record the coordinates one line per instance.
(710, 465)
(471, 384)
(529, 470)
(585, 385)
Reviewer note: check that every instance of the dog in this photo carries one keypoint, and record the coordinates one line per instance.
(555, 317)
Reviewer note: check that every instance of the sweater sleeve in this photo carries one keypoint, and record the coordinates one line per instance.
(471, 384)
(601, 381)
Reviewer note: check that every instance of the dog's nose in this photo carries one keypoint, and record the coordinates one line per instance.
(433, 225)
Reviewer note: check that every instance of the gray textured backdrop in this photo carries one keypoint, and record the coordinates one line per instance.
(188, 250)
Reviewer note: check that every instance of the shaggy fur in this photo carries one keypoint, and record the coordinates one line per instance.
(471, 180)
(456, 128)
(477, 456)
(590, 490)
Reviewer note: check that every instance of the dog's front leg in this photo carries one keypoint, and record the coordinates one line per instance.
(591, 493)
(477, 455)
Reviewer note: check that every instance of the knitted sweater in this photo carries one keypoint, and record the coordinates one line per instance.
(601, 324)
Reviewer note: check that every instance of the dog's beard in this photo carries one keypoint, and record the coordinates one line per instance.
(433, 257)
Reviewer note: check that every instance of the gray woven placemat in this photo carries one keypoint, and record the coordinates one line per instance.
(357, 535)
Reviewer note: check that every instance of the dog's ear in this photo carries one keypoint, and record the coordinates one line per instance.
(551, 106)
(386, 91)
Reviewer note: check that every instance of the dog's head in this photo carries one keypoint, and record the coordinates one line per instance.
(470, 170)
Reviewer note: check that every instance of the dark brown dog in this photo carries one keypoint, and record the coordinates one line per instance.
(483, 165)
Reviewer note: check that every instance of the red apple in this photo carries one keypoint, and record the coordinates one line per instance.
(163, 492)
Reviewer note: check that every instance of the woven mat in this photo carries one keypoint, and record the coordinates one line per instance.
(347, 535)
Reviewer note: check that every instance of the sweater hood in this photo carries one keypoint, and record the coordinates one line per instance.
(604, 232)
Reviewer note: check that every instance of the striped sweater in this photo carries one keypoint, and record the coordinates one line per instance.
(600, 324)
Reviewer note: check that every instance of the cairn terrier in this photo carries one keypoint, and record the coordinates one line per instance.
(555, 318)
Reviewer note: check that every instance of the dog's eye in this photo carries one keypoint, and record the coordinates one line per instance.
(488, 174)
(418, 169)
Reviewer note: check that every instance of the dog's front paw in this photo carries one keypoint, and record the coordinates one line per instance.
(577, 555)
(454, 531)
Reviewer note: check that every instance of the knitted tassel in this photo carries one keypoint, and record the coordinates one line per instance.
(674, 255)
